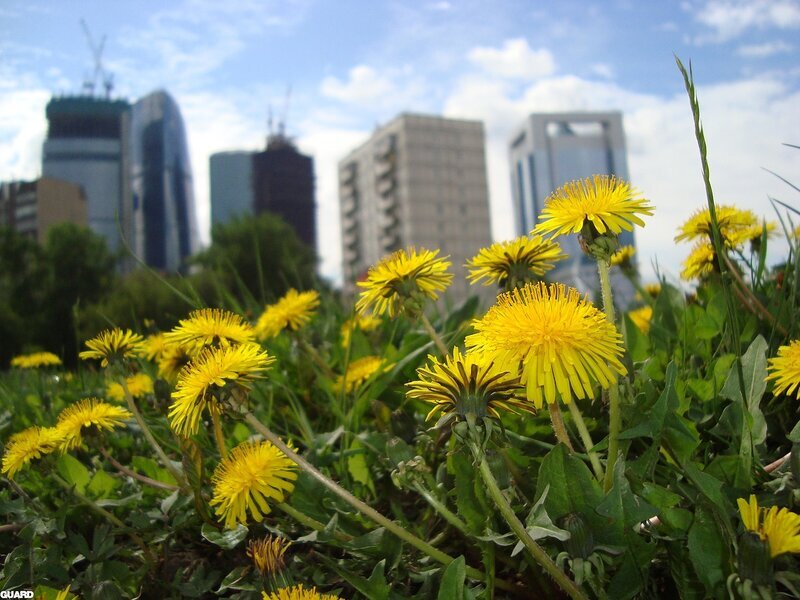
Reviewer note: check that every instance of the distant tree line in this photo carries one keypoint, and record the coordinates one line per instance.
(54, 296)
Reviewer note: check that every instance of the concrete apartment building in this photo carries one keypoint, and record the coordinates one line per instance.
(418, 181)
(551, 149)
(31, 208)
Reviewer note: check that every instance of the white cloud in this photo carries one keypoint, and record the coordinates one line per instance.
(603, 70)
(515, 60)
(730, 18)
(764, 50)
(364, 85)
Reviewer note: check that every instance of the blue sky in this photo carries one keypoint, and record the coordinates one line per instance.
(355, 64)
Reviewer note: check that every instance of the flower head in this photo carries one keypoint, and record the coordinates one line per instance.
(360, 322)
(29, 444)
(785, 369)
(210, 327)
(267, 553)
(736, 226)
(172, 360)
(252, 474)
(139, 385)
(360, 371)
(204, 383)
(560, 343)
(623, 257)
(516, 260)
(89, 413)
(699, 263)
(407, 276)
(35, 360)
(780, 528)
(652, 289)
(112, 345)
(606, 203)
(297, 592)
(468, 383)
(641, 317)
(154, 346)
(293, 311)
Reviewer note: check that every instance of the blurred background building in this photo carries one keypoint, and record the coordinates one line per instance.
(88, 143)
(551, 149)
(231, 181)
(32, 207)
(163, 208)
(418, 181)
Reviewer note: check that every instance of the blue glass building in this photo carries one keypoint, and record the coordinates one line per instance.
(164, 219)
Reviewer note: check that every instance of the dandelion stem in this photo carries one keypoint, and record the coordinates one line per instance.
(359, 505)
(434, 336)
(150, 437)
(138, 476)
(315, 357)
(310, 522)
(558, 425)
(614, 415)
(538, 553)
(440, 508)
(219, 437)
(586, 438)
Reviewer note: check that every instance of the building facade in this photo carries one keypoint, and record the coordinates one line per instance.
(551, 149)
(418, 181)
(88, 144)
(231, 179)
(283, 184)
(31, 208)
(163, 208)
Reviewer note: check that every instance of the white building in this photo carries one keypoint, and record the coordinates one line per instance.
(418, 181)
(551, 149)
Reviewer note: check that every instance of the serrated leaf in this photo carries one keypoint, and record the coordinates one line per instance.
(227, 539)
(452, 586)
(102, 484)
(470, 496)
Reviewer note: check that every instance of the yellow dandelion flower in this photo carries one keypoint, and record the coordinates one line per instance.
(112, 345)
(736, 226)
(210, 327)
(516, 260)
(35, 360)
(173, 358)
(201, 383)
(641, 317)
(699, 263)
(297, 592)
(780, 528)
(252, 474)
(623, 257)
(139, 385)
(652, 289)
(785, 370)
(154, 346)
(292, 311)
(402, 276)
(468, 383)
(605, 202)
(267, 553)
(360, 322)
(359, 371)
(560, 342)
(87, 414)
(27, 445)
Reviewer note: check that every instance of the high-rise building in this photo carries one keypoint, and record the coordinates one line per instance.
(231, 179)
(418, 181)
(279, 180)
(32, 207)
(164, 221)
(87, 144)
(283, 184)
(551, 149)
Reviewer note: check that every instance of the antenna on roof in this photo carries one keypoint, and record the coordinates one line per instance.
(89, 85)
(282, 120)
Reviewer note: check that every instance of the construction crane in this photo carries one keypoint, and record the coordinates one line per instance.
(89, 85)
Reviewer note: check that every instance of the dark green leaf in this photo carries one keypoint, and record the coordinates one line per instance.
(452, 586)
(227, 539)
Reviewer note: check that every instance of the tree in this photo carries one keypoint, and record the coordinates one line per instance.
(259, 258)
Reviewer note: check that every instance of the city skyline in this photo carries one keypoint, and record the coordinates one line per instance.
(225, 65)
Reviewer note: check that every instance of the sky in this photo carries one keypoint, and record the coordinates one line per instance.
(355, 64)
